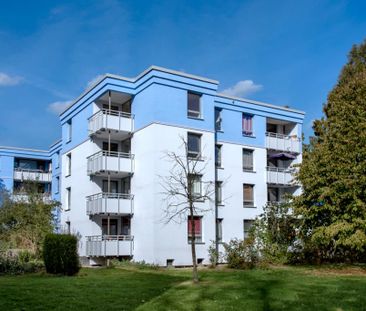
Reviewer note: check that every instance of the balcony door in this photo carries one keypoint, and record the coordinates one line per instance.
(113, 186)
(113, 227)
(114, 147)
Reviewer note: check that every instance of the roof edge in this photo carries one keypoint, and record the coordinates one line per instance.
(255, 102)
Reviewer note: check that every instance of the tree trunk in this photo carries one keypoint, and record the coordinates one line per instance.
(193, 246)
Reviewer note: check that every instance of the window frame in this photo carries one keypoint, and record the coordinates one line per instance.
(246, 231)
(218, 155)
(218, 119)
(220, 235)
(68, 199)
(196, 179)
(248, 169)
(193, 154)
(248, 133)
(199, 238)
(248, 203)
(68, 164)
(194, 114)
(69, 130)
(218, 191)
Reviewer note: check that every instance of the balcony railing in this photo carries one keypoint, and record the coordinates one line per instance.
(282, 142)
(110, 161)
(109, 203)
(24, 197)
(34, 175)
(109, 245)
(280, 176)
(106, 119)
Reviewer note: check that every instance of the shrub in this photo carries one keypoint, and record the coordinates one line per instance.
(15, 265)
(214, 256)
(241, 254)
(60, 254)
(141, 265)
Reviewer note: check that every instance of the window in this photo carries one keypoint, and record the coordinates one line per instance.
(69, 130)
(219, 229)
(273, 195)
(113, 107)
(248, 196)
(114, 147)
(57, 159)
(194, 145)
(57, 184)
(68, 199)
(194, 105)
(218, 119)
(197, 220)
(68, 164)
(247, 124)
(112, 229)
(247, 225)
(113, 186)
(247, 160)
(196, 185)
(68, 227)
(170, 263)
(219, 192)
(218, 162)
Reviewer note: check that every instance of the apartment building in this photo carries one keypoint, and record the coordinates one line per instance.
(106, 170)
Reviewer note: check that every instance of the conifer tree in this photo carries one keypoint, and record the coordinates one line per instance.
(332, 206)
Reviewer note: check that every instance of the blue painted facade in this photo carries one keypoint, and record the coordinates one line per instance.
(158, 96)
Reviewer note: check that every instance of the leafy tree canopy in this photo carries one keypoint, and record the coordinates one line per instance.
(333, 173)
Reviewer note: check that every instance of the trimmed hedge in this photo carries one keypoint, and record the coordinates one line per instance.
(60, 254)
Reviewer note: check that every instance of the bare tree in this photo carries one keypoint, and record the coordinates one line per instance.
(184, 187)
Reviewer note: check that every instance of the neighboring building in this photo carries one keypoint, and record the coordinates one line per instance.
(114, 137)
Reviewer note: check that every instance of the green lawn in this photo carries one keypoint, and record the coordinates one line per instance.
(130, 289)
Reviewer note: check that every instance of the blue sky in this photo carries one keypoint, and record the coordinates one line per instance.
(281, 52)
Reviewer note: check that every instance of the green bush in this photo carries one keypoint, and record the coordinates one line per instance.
(141, 265)
(241, 254)
(16, 265)
(60, 254)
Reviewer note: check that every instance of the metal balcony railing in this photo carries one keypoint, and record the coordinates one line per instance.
(275, 141)
(109, 203)
(109, 245)
(110, 161)
(106, 119)
(279, 175)
(34, 175)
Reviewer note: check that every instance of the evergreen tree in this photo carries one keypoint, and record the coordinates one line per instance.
(332, 206)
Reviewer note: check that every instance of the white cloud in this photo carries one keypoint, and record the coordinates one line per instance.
(242, 88)
(6, 80)
(95, 79)
(58, 107)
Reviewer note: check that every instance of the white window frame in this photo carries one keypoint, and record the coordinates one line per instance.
(68, 199)
(68, 164)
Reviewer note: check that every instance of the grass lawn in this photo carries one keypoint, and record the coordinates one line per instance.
(129, 289)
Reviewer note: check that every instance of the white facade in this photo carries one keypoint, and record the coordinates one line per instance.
(113, 158)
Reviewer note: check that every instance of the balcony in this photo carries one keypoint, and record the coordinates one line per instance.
(109, 203)
(34, 175)
(23, 197)
(279, 176)
(118, 122)
(109, 245)
(102, 163)
(275, 141)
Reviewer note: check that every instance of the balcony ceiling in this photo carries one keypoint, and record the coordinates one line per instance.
(117, 97)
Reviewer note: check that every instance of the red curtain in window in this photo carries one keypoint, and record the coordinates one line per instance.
(247, 124)
(197, 228)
